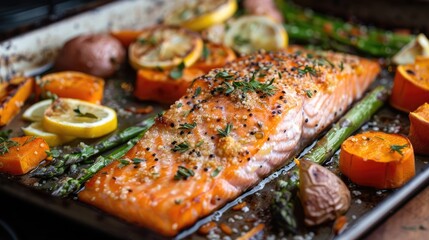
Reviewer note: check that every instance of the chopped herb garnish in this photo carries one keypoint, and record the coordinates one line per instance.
(265, 88)
(50, 95)
(182, 147)
(224, 75)
(229, 88)
(183, 173)
(199, 143)
(225, 132)
(341, 66)
(253, 85)
(197, 92)
(264, 70)
(188, 126)
(53, 153)
(398, 148)
(5, 144)
(280, 74)
(81, 114)
(216, 172)
(206, 52)
(178, 201)
(323, 61)
(138, 160)
(30, 139)
(186, 113)
(151, 40)
(309, 93)
(179, 105)
(5, 133)
(177, 72)
(309, 55)
(123, 163)
(239, 40)
(309, 70)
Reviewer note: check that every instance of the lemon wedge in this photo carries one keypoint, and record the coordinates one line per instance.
(201, 14)
(36, 111)
(252, 33)
(408, 54)
(52, 139)
(165, 47)
(78, 118)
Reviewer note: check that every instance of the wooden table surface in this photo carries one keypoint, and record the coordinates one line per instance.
(410, 222)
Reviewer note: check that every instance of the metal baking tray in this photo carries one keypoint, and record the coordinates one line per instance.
(33, 53)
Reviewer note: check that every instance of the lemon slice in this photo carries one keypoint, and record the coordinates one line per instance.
(36, 129)
(36, 111)
(79, 118)
(165, 47)
(251, 33)
(201, 14)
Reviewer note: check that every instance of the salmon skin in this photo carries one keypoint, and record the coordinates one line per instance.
(235, 126)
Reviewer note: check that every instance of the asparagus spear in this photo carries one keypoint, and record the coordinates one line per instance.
(68, 185)
(325, 148)
(307, 26)
(61, 163)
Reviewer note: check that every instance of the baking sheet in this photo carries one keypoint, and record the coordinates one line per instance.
(369, 206)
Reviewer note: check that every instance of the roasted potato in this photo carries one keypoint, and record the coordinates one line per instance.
(96, 54)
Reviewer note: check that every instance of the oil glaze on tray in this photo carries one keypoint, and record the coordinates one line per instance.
(34, 51)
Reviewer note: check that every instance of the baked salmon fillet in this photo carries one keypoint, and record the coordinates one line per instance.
(235, 126)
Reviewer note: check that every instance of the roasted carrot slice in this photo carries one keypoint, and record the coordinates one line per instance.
(377, 159)
(214, 56)
(419, 129)
(21, 154)
(253, 232)
(411, 86)
(13, 96)
(206, 228)
(160, 86)
(69, 84)
(126, 37)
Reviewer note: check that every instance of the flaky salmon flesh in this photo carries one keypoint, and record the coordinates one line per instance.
(235, 126)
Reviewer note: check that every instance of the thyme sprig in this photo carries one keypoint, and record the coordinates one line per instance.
(79, 113)
(177, 72)
(309, 93)
(187, 126)
(5, 133)
(224, 75)
(123, 162)
(181, 147)
(206, 52)
(252, 85)
(225, 132)
(398, 148)
(216, 172)
(307, 70)
(150, 41)
(183, 173)
(5, 144)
